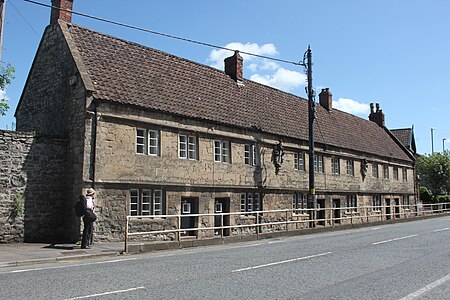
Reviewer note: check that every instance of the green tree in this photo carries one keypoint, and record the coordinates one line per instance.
(6, 76)
(434, 170)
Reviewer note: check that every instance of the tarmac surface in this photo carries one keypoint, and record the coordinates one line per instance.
(20, 254)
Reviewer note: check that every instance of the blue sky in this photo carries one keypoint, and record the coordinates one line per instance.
(395, 52)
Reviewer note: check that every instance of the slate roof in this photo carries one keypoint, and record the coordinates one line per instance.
(406, 137)
(128, 73)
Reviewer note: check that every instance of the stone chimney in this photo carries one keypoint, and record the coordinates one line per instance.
(377, 116)
(62, 15)
(326, 99)
(233, 66)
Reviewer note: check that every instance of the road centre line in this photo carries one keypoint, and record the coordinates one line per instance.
(427, 288)
(108, 293)
(280, 262)
(443, 229)
(396, 239)
(69, 266)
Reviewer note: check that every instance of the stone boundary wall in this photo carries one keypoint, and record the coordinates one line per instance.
(32, 186)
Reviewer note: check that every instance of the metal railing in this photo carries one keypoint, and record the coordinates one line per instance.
(282, 219)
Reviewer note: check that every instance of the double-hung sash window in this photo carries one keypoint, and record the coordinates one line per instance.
(318, 163)
(350, 167)
(145, 202)
(250, 202)
(405, 174)
(147, 141)
(222, 151)
(187, 146)
(376, 202)
(299, 161)
(335, 166)
(352, 203)
(250, 155)
(299, 203)
(395, 172)
(386, 171)
(375, 170)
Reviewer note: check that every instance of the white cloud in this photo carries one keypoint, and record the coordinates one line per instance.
(262, 70)
(352, 107)
(3, 94)
(216, 57)
(282, 79)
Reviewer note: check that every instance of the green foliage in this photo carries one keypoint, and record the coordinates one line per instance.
(6, 76)
(442, 199)
(18, 205)
(425, 194)
(434, 170)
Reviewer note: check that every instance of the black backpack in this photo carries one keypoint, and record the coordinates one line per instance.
(80, 207)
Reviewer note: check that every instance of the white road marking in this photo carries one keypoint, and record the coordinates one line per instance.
(108, 293)
(280, 262)
(275, 242)
(427, 288)
(376, 228)
(69, 266)
(245, 246)
(443, 229)
(397, 239)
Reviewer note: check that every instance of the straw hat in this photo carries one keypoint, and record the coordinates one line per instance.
(90, 192)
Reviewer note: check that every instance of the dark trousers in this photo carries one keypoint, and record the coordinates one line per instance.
(88, 232)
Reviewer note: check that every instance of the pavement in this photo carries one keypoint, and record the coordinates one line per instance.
(20, 254)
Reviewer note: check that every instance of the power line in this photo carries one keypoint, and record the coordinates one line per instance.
(26, 21)
(164, 34)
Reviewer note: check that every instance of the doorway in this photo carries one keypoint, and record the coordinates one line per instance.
(221, 206)
(189, 206)
(321, 211)
(397, 208)
(388, 209)
(337, 211)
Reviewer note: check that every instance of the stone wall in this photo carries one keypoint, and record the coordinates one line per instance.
(33, 169)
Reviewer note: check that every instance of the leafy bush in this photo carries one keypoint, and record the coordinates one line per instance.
(425, 195)
(442, 198)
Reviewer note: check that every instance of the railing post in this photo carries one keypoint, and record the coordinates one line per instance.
(126, 235)
(257, 226)
(221, 225)
(287, 221)
(179, 228)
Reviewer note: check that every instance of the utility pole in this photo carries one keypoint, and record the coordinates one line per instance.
(2, 23)
(311, 115)
(432, 146)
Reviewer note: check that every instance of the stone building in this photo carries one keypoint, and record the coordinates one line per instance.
(157, 134)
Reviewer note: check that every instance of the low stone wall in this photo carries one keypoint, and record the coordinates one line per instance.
(32, 186)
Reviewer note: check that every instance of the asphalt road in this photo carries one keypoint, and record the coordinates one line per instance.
(399, 261)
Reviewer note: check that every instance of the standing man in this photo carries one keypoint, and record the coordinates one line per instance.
(88, 220)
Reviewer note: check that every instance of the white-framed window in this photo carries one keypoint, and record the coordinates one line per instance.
(405, 201)
(405, 174)
(145, 202)
(376, 202)
(147, 141)
(335, 165)
(187, 147)
(299, 161)
(318, 163)
(375, 173)
(350, 166)
(385, 171)
(299, 203)
(222, 151)
(351, 203)
(395, 172)
(250, 156)
(250, 202)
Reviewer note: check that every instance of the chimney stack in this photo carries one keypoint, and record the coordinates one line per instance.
(62, 15)
(326, 99)
(233, 66)
(377, 116)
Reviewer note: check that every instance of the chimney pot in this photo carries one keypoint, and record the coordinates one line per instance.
(61, 10)
(377, 116)
(233, 66)
(326, 99)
